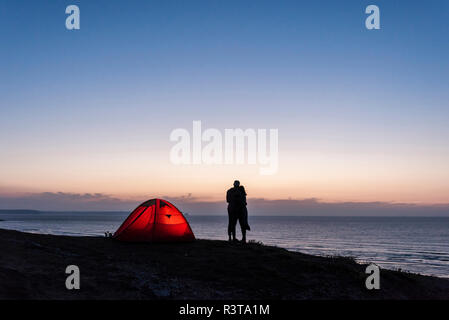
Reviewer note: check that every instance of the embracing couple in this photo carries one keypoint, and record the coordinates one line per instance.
(237, 211)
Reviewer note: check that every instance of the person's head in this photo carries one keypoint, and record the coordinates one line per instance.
(236, 183)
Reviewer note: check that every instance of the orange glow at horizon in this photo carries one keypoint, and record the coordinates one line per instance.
(333, 178)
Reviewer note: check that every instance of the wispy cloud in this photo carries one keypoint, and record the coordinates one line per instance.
(315, 207)
(61, 201)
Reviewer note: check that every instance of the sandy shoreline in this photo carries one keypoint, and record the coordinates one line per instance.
(32, 266)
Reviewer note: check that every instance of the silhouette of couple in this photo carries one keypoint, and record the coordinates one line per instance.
(237, 211)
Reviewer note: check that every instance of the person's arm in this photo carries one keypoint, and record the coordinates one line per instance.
(227, 197)
(244, 195)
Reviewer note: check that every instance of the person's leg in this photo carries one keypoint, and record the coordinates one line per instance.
(234, 224)
(229, 224)
(242, 227)
(245, 218)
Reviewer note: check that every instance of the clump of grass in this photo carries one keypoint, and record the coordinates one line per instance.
(342, 258)
(258, 243)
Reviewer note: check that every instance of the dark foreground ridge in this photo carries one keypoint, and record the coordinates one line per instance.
(32, 266)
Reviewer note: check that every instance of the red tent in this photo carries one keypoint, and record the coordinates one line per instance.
(155, 220)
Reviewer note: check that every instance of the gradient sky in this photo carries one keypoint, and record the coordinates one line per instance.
(362, 115)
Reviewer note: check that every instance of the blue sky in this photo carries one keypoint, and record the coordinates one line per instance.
(138, 69)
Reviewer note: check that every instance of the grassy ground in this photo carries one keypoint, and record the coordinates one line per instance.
(33, 266)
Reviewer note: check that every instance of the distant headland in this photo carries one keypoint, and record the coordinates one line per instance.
(19, 211)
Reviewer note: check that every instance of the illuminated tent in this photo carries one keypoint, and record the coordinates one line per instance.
(155, 220)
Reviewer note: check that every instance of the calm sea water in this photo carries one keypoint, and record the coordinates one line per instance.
(415, 244)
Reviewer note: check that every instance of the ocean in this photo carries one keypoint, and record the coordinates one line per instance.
(415, 244)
